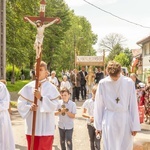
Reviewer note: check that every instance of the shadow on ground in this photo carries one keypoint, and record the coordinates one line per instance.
(55, 147)
(19, 147)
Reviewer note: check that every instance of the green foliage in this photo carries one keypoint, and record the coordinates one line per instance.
(9, 71)
(129, 55)
(13, 104)
(60, 40)
(26, 73)
(17, 86)
(117, 49)
(123, 59)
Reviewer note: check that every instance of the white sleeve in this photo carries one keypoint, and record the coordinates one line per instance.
(56, 82)
(85, 104)
(73, 108)
(68, 85)
(23, 107)
(61, 85)
(48, 105)
(49, 102)
(134, 115)
(98, 109)
(4, 97)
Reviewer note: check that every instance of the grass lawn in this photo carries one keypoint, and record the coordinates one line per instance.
(13, 104)
(17, 86)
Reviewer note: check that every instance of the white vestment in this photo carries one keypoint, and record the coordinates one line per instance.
(116, 120)
(6, 135)
(45, 120)
(65, 84)
(53, 80)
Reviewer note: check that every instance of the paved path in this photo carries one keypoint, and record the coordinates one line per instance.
(80, 135)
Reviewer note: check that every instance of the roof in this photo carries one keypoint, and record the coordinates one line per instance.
(145, 40)
(89, 60)
(136, 52)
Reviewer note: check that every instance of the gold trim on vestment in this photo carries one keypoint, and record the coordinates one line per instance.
(33, 102)
(25, 98)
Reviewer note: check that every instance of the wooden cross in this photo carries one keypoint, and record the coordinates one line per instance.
(43, 19)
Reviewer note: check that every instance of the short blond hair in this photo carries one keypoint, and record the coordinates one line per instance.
(42, 64)
(53, 72)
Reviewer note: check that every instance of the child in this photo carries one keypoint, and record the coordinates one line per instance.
(65, 83)
(53, 79)
(6, 136)
(46, 95)
(88, 110)
(116, 114)
(66, 112)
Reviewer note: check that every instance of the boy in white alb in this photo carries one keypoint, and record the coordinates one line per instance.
(88, 112)
(115, 110)
(46, 106)
(6, 135)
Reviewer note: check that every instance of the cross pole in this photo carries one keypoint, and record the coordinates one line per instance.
(43, 19)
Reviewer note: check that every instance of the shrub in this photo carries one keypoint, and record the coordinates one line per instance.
(26, 73)
(9, 70)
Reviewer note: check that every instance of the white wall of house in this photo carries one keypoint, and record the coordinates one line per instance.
(146, 62)
(146, 56)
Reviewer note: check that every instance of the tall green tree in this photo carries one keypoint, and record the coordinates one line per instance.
(117, 49)
(60, 40)
(123, 59)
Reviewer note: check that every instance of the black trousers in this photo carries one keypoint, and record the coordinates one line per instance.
(83, 91)
(75, 94)
(65, 138)
(94, 142)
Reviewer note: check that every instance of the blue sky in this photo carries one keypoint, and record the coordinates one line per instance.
(137, 11)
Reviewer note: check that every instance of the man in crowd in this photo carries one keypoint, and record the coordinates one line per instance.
(99, 75)
(83, 73)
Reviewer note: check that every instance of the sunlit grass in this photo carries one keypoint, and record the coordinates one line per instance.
(17, 86)
(13, 104)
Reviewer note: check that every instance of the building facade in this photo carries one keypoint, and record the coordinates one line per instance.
(145, 46)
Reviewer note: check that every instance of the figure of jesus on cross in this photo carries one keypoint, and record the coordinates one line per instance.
(40, 33)
(40, 22)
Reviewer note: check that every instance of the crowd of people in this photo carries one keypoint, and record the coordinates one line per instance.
(110, 107)
(143, 95)
(79, 83)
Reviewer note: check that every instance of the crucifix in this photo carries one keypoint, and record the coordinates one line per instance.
(117, 99)
(38, 22)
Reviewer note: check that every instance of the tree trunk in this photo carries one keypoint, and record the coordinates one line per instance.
(13, 75)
